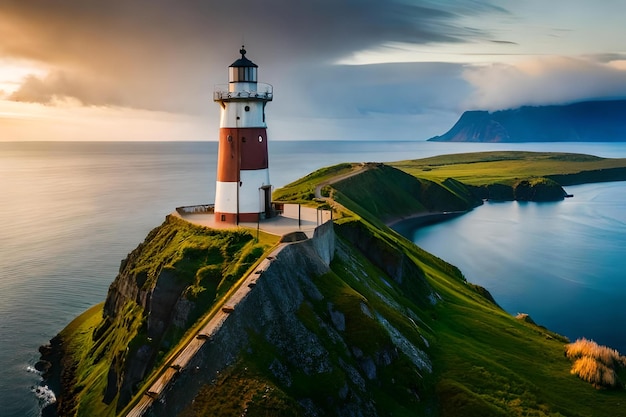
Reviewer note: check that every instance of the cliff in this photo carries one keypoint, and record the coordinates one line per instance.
(356, 321)
(320, 330)
(163, 287)
(513, 175)
(591, 121)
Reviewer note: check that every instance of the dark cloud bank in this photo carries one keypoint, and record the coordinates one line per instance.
(166, 55)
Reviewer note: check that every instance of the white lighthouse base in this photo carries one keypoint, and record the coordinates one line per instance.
(243, 201)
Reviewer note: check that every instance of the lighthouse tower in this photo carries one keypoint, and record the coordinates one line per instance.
(243, 190)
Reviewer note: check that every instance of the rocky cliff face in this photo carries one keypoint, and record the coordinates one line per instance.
(301, 331)
(593, 121)
(162, 288)
(336, 325)
(535, 189)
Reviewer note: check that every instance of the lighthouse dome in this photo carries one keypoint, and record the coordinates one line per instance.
(243, 70)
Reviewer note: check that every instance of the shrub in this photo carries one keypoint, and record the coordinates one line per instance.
(594, 363)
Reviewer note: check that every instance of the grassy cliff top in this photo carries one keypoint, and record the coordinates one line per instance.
(484, 168)
(380, 186)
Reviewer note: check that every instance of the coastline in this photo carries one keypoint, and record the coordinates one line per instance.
(406, 225)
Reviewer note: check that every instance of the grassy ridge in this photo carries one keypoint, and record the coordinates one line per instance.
(487, 362)
(385, 193)
(303, 190)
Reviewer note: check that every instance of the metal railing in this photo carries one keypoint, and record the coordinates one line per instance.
(200, 208)
(263, 92)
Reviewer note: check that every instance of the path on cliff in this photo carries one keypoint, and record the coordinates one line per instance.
(180, 359)
(183, 355)
(358, 169)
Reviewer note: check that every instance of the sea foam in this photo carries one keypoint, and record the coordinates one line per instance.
(32, 370)
(44, 394)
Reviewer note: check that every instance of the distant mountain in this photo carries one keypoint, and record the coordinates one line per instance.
(590, 121)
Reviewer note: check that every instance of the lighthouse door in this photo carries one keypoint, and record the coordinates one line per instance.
(266, 196)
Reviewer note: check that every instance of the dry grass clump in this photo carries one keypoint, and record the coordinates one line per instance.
(594, 363)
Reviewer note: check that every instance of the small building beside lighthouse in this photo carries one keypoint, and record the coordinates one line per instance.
(243, 190)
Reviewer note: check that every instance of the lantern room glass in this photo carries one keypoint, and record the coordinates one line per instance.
(242, 74)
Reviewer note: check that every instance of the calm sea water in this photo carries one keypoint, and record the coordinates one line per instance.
(72, 211)
(563, 263)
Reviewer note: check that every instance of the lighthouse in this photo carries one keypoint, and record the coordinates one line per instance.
(243, 190)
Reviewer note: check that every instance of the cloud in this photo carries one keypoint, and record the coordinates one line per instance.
(402, 101)
(403, 88)
(164, 55)
(544, 80)
(504, 42)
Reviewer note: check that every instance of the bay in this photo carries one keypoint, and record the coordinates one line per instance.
(563, 263)
(72, 211)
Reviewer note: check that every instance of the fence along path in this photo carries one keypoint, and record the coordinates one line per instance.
(202, 336)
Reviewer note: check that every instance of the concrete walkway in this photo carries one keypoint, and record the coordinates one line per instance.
(295, 218)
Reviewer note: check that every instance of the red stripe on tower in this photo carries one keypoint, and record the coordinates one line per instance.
(243, 190)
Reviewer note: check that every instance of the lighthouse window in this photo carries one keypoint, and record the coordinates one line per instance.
(260, 138)
(243, 139)
(229, 138)
(247, 108)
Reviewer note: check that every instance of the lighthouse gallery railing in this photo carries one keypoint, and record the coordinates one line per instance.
(263, 91)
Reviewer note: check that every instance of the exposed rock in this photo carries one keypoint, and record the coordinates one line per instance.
(368, 367)
(535, 189)
(268, 321)
(384, 255)
(293, 237)
(281, 372)
(417, 356)
(525, 317)
(365, 309)
(43, 366)
(337, 317)
(542, 190)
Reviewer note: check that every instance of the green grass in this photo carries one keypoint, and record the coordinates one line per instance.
(303, 190)
(242, 387)
(517, 367)
(505, 167)
(380, 193)
(77, 342)
(206, 262)
(484, 361)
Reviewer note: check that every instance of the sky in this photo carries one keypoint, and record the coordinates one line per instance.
(341, 70)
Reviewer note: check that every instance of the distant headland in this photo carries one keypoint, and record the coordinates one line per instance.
(589, 121)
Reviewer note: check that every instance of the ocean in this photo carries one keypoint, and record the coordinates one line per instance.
(71, 211)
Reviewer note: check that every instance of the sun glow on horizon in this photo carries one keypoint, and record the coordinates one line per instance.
(14, 71)
(68, 121)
